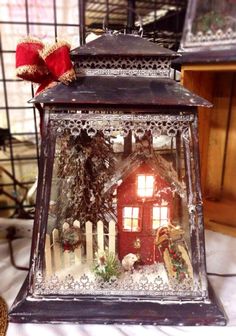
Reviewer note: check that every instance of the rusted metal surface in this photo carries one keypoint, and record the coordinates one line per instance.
(121, 91)
(126, 45)
(110, 311)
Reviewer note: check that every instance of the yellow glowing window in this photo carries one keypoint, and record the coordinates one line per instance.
(145, 185)
(159, 216)
(131, 219)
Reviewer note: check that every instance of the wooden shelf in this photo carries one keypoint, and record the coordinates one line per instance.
(217, 132)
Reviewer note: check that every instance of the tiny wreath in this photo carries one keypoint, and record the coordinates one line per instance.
(71, 238)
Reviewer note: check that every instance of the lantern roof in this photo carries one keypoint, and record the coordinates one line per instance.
(121, 70)
(121, 91)
(121, 45)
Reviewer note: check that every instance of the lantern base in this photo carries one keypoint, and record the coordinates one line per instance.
(69, 310)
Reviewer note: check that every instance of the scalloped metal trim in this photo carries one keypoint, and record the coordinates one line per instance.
(124, 123)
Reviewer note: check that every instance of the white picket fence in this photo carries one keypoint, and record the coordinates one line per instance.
(56, 259)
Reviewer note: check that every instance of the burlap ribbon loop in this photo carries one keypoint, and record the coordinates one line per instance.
(44, 64)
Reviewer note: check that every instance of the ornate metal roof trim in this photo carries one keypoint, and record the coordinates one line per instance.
(210, 38)
(123, 66)
(123, 123)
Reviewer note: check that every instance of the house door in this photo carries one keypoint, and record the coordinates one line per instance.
(138, 230)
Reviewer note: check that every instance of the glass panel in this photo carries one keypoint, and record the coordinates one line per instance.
(127, 212)
(135, 212)
(156, 224)
(135, 225)
(130, 218)
(102, 237)
(156, 212)
(141, 185)
(128, 224)
(210, 23)
(149, 182)
(145, 185)
(164, 213)
(148, 192)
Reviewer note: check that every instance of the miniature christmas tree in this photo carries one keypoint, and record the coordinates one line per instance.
(85, 165)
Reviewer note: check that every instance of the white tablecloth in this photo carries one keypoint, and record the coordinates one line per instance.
(221, 258)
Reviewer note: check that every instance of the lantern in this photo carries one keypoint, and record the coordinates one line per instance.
(210, 26)
(118, 233)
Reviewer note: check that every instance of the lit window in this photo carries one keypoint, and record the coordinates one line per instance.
(159, 216)
(145, 185)
(131, 219)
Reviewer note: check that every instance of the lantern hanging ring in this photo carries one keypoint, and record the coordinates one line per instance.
(105, 26)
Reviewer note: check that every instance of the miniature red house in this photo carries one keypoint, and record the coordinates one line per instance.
(141, 212)
(145, 202)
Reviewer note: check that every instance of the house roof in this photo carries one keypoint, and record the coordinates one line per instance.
(161, 165)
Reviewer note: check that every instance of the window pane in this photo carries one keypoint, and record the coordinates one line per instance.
(141, 181)
(164, 212)
(135, 225)
(148, 192)
(127, 224)
(156, 224)
(145, 185)
(149, 182)
(156, 212)
(135, 213)
(127, 212)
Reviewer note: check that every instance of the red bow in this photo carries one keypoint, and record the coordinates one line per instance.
(42, 64)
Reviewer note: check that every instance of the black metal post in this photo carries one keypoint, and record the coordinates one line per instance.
(82, 5)
(130, 16)
(130, 26)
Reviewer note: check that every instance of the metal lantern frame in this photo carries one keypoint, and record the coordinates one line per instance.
(122, 85)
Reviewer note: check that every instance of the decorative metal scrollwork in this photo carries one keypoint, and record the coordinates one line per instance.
(211, 38)
(123, 66)
(143, 285)
(122, 123)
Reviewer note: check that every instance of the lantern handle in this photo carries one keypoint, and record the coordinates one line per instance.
(104, 23)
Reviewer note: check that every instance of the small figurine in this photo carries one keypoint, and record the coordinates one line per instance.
(128, 262)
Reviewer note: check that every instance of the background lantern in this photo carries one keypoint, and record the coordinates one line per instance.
(119, 227)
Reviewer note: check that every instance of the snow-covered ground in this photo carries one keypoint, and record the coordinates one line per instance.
(143, 278)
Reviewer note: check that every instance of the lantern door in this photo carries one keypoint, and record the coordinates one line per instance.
(118, 216)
